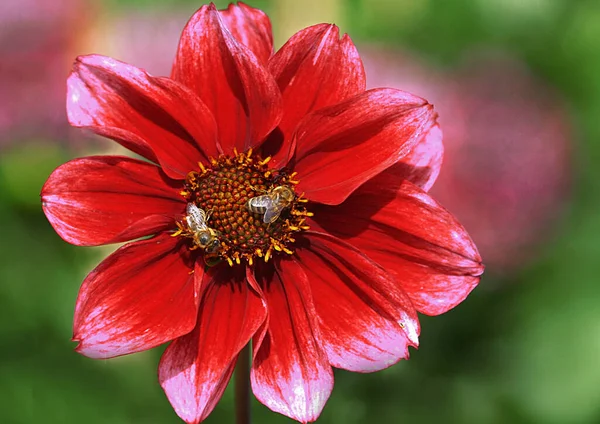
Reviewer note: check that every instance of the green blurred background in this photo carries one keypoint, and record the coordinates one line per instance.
(517, 83)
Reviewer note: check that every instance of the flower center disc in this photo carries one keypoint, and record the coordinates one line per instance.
(223, 190)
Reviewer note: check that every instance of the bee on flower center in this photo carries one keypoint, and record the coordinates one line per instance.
(254, 211)
(272, 204)
(203, 236)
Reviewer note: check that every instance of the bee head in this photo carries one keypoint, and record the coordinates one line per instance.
(212, 246)
(285, 193)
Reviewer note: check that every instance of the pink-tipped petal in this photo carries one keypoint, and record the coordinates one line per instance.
(125, 103)
(378, 287)
(423, 164)
(236, 87)
(251, 27)
(290, 373)
(314, 69)
(195, 369)
(110, 199)
(141, 296)
(358, 324)
(398, 225)
(340, 147)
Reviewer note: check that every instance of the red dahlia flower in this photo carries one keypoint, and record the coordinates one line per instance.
(334, 280)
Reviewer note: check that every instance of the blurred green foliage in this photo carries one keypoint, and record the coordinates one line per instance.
(523, 349)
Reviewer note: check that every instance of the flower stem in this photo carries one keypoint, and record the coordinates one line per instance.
(242, 387)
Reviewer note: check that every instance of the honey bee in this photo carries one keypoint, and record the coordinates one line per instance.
(204, 236)
(272, 203)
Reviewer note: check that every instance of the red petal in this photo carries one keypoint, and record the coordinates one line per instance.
(195, 369)
(139, 297)
(358, 324)
(240, 92)
(261, 333)
(342, 146)
(290, 373)
(141, 112)
(314, 69)
(109, 199)
(403, 229)
(250, 27)
(380, 289)
(422, 165)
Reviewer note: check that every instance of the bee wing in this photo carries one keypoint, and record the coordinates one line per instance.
(272, 213)
(196, 217)
(262, 202)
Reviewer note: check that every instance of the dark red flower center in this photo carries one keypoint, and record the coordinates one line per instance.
(239, 209)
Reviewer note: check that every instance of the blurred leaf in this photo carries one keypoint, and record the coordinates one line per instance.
(25, 168)
(549, 361)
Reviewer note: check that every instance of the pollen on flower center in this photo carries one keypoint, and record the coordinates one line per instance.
(251, 210)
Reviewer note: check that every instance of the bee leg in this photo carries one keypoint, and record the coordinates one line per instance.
(209, 213)
(256, 189)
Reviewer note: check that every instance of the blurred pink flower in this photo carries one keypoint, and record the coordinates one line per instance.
(36, 45)
(144, 37)
(507, 139)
